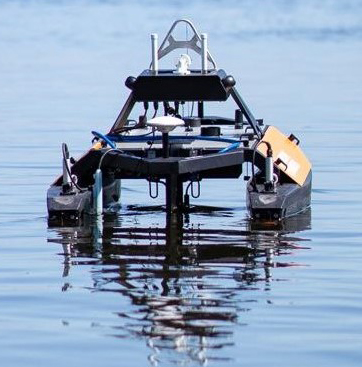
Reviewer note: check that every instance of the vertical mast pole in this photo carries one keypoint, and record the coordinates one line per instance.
(154, 41)
(204, 52)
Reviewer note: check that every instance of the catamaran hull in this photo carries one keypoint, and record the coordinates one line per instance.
(285, 201)
(71, 207)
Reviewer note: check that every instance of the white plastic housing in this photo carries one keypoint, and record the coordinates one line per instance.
(183, 65)
(165, 124)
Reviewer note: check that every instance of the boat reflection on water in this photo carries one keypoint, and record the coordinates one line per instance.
(189, 286)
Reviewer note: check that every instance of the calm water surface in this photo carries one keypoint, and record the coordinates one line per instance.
(215, 290)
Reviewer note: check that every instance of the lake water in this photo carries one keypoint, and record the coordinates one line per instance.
(222, 292)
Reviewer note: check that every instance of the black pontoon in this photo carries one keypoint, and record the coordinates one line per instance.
(179, 149)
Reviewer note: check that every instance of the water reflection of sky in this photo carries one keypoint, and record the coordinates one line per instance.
(188, 287)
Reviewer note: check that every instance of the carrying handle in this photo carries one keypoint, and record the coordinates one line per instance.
(279, 161)
(293, 138)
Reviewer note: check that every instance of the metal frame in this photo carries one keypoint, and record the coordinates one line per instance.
(174, 44)
(122, 116)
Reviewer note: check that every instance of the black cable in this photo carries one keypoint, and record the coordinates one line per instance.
(253, 169)
(146, 106)
(153, 132)
(68, 170)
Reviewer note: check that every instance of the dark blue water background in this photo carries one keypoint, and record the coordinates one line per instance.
(225, 293)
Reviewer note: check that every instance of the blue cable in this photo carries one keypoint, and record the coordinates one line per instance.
(229, 148)
(143, 138)
(105, 138)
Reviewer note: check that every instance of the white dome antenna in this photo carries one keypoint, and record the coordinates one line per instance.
(165, 124)
(183, 64)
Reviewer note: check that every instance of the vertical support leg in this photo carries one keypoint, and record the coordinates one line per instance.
(174, 222)
(174, 197)
(165, 145)
(200, 109)
(173, 254)
(180, 194)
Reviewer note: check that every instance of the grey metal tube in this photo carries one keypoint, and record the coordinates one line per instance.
(98, 193)
(154, 40)
(269, 169)
(204, 52)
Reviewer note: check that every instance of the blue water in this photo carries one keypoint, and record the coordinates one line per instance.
(223, 292)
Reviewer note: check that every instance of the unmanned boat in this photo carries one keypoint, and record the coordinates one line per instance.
(164, 135)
